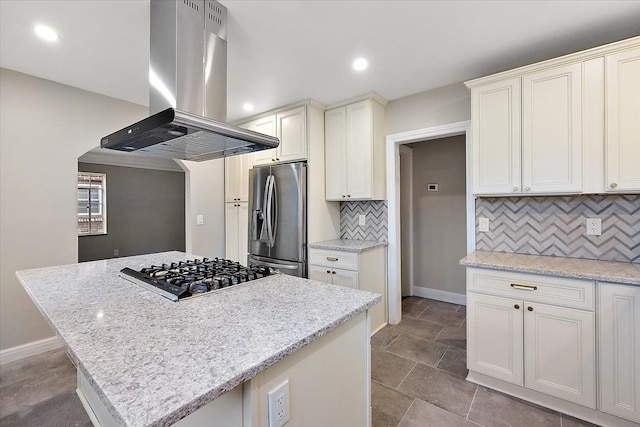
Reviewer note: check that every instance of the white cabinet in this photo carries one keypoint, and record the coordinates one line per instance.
(290, 127)
(552, 130)
(364, 270)
(236, 178)
(354, 151)
(623, 121)
(527, 133)
(236, 231)
(532, 338)
(495, 121)
(619, 350)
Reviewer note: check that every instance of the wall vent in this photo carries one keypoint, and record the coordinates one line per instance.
(193, 5)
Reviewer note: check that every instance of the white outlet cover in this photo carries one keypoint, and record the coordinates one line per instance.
(483, 225)
(362, 219)
(594, 226)
(199, 219)
(279, 405)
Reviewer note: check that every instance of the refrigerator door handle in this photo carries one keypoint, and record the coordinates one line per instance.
(264, 231)
(269, 207)
(274, 195)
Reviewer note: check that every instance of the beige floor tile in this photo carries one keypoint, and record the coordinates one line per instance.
(443, 316)
(422, 414)
(439, 388)
(491, 408)
(387, 406)
(384, 336)
(64, 410)
(417, 349)
(388, 368)
(453, 336)
(412, 309)
(414, 300)
(454, 361)
(419, 328)
(441, 304)
(568, 421)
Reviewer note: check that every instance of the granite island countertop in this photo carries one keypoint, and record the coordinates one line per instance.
(153, 361)
(347, 245)
(578, 268)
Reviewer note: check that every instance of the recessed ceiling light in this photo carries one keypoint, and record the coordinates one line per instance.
(46, 33)
(247, 107)
(360, 64)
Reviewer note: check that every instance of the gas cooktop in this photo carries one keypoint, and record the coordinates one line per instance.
(181, 280)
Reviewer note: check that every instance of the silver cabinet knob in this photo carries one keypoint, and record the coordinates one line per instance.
(527, 188)
(515, 188)
(613, 185)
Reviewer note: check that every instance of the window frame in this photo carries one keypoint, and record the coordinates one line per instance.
(102, 202)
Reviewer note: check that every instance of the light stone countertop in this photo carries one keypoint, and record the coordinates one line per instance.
(578, 268)
(153, 361)
(347, 245)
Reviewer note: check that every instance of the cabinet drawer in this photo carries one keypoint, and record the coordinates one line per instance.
(532, 287)
(334, 259)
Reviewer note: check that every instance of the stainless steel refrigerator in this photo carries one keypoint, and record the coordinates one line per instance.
(278, 217)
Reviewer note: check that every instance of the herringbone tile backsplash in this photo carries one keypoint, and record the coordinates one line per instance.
(375, 227)
(556, 226)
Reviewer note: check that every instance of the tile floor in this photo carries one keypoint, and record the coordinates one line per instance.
(418, 371)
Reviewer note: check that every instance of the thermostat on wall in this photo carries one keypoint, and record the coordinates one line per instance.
(432, 187)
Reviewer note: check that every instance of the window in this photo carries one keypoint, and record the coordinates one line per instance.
(92, 203)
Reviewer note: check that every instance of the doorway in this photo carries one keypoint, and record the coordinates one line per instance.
(393, 193)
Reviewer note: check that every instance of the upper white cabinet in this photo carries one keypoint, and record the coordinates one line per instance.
(290, 127)
(619, 350)
(354, 151)
(495, 118)
(623, 121)
(552, 130)
(564, 126)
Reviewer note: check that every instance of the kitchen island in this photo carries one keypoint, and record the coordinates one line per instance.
(146, 361)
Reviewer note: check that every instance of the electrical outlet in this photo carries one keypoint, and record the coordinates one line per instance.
(483, 225)
(594, 226)
(116, 252)
(279, 405)
(199, 219)
(362, 219)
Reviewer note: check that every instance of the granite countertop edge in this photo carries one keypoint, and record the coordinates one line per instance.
(575, 268)
(348, 245)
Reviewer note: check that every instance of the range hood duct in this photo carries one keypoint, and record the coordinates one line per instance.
(187, 88)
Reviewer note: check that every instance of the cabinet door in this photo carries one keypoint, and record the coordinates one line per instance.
(232, 222)
(495, 337)
(292, 131)
(243, 232)
(623, 121)
(619, 350)
(319, 273)
(495, 118)
(236, 178)
(359, 125)
(267, 126)
(344, 278)
(335, 150)
(552, 131)
(559, 347)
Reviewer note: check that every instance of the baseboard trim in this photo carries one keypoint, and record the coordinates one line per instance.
(439, 295)
(30, 349)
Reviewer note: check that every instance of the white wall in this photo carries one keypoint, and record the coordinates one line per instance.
(441, 106)
(44, 128)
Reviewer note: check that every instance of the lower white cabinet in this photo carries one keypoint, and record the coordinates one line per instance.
(366, 270)
(236, 231)
(529, 338)
(619, 350)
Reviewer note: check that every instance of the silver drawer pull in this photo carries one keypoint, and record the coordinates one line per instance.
(525, 287)
(330, 258)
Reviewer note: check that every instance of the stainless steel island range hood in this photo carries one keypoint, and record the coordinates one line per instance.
(187, 88)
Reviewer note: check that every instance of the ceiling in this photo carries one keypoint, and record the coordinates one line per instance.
(284, 51)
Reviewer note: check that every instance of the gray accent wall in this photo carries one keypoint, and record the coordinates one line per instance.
(439, 217)
(556, 226)
(145, 213)
(375, 227)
